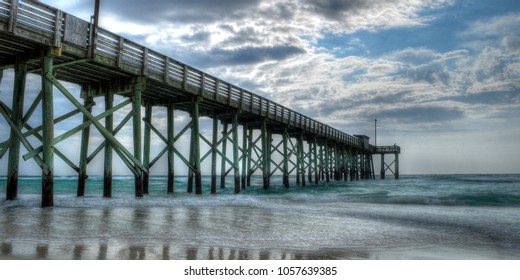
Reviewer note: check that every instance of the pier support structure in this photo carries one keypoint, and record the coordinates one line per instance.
(59, 47)
(393, 166)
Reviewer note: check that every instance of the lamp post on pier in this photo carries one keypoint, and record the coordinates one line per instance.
(375, 133)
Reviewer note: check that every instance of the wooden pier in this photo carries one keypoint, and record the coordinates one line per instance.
(35, 38)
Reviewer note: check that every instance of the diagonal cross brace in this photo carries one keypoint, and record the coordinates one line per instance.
(218, 152)
(165, 140)
(19, 134)
(56, 150)
(31, 110)
(74, 130)
(125, 155)
(102, 145)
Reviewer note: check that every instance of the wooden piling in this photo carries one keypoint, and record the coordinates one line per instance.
(321, 167)
(195, 141)
(245, 155)
(356, 164)
(171, 151)
(224, 154)
(47, 131)
(316, 171)
(345, 164)
(310, 163)
(269, 155)
(265, 151)
(285, 159)
(146, 147)
(14, 142)
(396, 166)
(236, 162)
(327, 162)
(109, 126)
(301, 157)
(189, 187)
(137, 88)
(214, 148)
(249, 152)
(85, 135)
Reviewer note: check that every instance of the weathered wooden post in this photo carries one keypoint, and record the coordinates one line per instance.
(85, 135)
(298, 182)
(250, 153)
(171, 151)
(236, 162)
(109, 125)
(48, 130)
(316, 170)
(214, 148)
(195, 141)
(327, 161)
(285, 159)
(311, 162)
(146, 148)
(396, 165)
(321, 173)
(336, 162)
(17, 116)
(137, 88)
(245, 155)
(345, 163)
(382, 166)
(357, 164)
(224, 154)
(269, 155)
(301, 157)
(352, 163)
(266, 149)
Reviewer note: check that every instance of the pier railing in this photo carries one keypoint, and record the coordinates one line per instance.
(46, 25)
(387, 149)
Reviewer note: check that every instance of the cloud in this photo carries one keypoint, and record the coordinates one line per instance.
(179, 11)
(244, 56)
(512, 42)
(431, 113)
(230, 24)
(499, 31)
(279, 49)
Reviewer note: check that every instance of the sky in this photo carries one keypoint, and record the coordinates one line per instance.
(441, 77)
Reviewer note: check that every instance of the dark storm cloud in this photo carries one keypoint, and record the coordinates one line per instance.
(216, 10)
(197, 37)
(338, 9)
(422, 114)
(179, 10)
(248, 55)
(335, 8)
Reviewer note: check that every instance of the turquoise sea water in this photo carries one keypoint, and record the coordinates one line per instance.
(416, 217)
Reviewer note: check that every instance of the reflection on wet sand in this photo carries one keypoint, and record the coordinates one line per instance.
(139, 233)
(104, 252)
(6, 249)
(42, 251)
(103, 249)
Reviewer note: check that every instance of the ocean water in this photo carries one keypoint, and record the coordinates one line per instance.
(416, 217)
